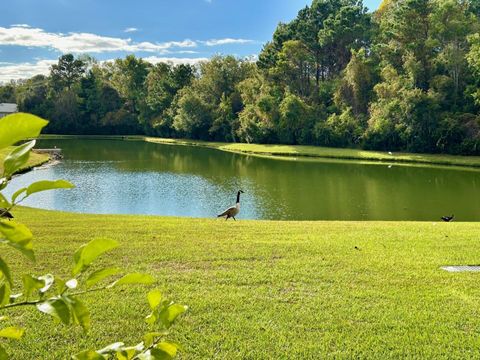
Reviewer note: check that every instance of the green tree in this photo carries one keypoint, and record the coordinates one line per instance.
(452, 22)
(294, 121)
(473, 59)
(66, 73)
(162, 84)
(345, 28)
(404, 28)
(356, 85)
(65, 113)
(342, 130)
(260, 115)
(403, 116)
(193, 115)
(8, 93)
(32, 96)
(294, 67)
(128, 76)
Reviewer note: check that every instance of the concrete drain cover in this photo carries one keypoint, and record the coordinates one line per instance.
(470, 268)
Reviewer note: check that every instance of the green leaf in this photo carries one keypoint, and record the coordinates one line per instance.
(163, 353)
(17, 158)
(45, 185)
(18, 236)
(112, 348)
(135, 278)
(86, 254)
(56, 308)
(168, 315)
(20, 126)
(6, 271)
(149, 338)
(61, 285)
(4, 294)
(168, 348)
(88, 355)
(17, 193)
(151, 318)
(127, 353)
(4, 202)
(3, 354)
(81, 315)
(99, 275)
(11, 333)
(32, 284)
(154, 298)
(154, 354)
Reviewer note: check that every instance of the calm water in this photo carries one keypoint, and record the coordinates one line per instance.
(128, 177)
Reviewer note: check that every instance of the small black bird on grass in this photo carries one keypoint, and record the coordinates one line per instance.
(5, 214)
(448, 218)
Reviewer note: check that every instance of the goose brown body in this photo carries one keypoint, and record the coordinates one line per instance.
(234, 210)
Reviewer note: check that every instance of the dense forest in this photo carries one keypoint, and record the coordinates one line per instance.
(406, 77)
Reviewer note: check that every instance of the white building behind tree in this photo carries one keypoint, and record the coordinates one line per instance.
(7, 109)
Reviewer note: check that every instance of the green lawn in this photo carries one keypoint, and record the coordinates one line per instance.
(271, 290)
(35, 159)
(289, 151)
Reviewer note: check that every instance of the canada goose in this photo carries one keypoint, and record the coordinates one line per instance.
(234, 210)
(5, 214)
(448, 218)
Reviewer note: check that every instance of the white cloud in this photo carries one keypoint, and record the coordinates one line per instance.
(9, 71)
(130, 30)
(22, 35)
(174, 61)
(217, 42)
(83, 42)
(21, 25)
(186, 52)
(25, 70)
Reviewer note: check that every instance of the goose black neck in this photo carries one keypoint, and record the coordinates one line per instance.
(238, 197)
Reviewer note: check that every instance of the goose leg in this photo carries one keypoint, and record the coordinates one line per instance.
(234, 218)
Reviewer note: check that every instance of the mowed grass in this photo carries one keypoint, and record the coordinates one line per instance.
(312, 152)
(34, 160)
(269, 290)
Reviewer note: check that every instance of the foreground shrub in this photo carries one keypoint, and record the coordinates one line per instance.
(60, 298)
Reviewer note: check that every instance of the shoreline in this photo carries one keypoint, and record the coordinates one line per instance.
(35, 160)
(292, 152)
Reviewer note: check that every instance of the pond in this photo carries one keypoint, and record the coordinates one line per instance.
(135, 177)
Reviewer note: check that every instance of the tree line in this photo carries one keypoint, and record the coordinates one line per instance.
(406, 77)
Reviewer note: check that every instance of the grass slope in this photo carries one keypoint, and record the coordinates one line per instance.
(34, 160)
(271, 290)
(303, 151)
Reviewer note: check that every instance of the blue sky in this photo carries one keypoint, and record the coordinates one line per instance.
(34, 33)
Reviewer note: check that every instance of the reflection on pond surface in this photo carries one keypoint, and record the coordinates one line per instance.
(134, 177)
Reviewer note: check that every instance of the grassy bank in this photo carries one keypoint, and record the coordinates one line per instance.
(276, 290)
(35, 159)
(304, 151)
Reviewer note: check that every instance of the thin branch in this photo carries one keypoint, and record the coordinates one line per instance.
(35, 302)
